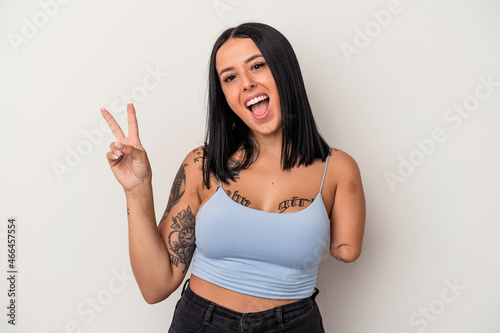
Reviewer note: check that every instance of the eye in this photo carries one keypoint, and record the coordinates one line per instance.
(258, 65)
(229, 78)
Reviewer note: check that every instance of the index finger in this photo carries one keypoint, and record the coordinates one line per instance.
(113, 125)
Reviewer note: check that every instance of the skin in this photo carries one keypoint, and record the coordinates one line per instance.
(243, 73)
(160, 255)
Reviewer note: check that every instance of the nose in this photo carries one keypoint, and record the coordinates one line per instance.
(248, 82)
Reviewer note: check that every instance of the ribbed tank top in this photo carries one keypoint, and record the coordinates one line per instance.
(260, 253)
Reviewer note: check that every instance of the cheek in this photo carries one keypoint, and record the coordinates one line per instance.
(232, 98)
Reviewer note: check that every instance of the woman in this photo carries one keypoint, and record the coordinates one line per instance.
(255, 256)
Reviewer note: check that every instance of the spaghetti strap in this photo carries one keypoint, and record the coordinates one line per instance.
(324, 174)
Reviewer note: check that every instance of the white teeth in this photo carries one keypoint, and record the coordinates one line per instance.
(256, 100)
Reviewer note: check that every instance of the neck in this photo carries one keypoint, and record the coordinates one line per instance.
(269, 147)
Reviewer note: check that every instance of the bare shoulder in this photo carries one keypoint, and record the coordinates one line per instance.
(195, 156)
(342, 165)
(192, 165)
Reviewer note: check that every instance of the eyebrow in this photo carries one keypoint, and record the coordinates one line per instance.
(245, 61)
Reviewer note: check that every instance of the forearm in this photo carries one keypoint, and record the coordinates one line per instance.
(148, 254)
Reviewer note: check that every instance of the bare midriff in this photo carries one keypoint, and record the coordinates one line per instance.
(234, 300)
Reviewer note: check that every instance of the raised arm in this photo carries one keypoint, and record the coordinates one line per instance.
(348, 212)
(156, 271)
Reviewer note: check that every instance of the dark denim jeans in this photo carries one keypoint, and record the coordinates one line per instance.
(195, 314)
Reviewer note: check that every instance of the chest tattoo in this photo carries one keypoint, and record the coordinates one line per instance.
(238, 198)
(293, 202)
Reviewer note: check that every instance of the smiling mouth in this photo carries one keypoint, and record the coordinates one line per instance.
(258, 105)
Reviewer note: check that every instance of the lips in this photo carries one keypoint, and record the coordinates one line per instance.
(258, 105)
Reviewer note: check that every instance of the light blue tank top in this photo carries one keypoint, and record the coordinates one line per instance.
(259, 253)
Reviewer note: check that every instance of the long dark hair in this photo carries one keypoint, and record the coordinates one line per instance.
(226, 132)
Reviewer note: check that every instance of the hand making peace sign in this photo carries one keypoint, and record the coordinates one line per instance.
(128, 159)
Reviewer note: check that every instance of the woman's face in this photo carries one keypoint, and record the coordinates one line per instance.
(249, 86)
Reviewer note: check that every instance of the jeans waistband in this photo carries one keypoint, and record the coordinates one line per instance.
(211, 311)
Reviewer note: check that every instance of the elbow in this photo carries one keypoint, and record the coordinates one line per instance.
(345, 253)
(348, 259)
(154, 297)
(155, 292)
(152, 300)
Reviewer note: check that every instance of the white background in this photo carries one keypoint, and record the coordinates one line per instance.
(436, 226)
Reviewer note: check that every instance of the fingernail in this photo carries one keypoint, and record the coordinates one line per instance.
(130, 102)
(103, 109)
(119, 145)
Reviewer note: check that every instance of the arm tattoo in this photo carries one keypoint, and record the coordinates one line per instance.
(128, 211)
(293, 202)
(178, 189)
(238, 198)
(181, 239)
(199, 155)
